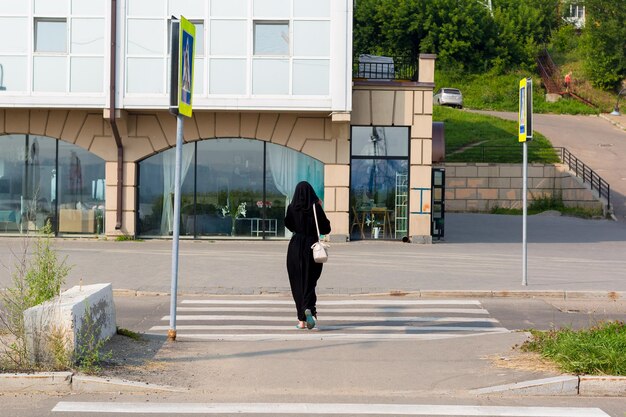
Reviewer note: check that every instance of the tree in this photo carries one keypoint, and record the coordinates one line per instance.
(604, 42)
(465, 34)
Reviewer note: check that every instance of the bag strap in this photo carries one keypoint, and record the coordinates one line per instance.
(315, 217)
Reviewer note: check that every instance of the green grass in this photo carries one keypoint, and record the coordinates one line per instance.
(472, 137)
(491, 91)
(595, 351)
(127, 238)
(128, 333)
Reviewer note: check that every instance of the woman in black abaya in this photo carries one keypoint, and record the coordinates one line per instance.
(302, 269)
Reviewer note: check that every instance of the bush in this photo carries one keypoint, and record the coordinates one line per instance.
(33, 281)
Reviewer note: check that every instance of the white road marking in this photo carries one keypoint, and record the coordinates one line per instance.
(320, 408)
(339, 310)
(336, 302)
(321, 335)
(409, 329)
(358, 319)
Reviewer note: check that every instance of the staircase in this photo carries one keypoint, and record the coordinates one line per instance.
(550, 74)
(552, 79)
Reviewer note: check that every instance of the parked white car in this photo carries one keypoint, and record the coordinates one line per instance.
(449, 97)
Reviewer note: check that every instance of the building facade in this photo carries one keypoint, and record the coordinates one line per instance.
(88, 142)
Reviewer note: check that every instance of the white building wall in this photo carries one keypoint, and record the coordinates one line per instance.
(68, 67)
(230, 72)
(53, 53)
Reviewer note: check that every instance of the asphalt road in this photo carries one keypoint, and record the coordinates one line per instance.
(359, 375)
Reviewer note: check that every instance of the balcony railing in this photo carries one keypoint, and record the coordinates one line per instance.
(384, 68)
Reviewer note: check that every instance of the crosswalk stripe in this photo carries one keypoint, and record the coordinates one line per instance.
(266, 319)
(326, 408)
(336, 302)
(337, 327)
(340, 310)
(317, 335)
(360, 319)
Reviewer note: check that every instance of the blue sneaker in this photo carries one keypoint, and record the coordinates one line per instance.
(310, 320)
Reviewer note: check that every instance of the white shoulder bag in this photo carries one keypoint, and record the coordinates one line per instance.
(320, 249)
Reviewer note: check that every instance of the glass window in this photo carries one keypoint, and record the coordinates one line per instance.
(80, 190)
(87, 75)
(310, 77)
(187, 8)
(13, 73)
(51, 7)
(230, 185)
(270, 76)
(311, 8)
(199, 39)
(156, 191)
(271, 38)
(50, 73)
(285, 169)
(227, 76)
(228, 37)
(26, 182)
(379, 182)
(145, 75)
(87, 36)
(229, 8)
(44, 180)
(272, 8)
(145, 37)
(89, 8)
(380, 141)
(147, 8)
(311, 38)
(50, 35)
(230, 182)
(9, 27)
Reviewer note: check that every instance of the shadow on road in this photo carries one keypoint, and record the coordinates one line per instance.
(492, 228)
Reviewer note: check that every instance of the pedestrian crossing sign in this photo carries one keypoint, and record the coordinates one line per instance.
(525, 116)
(186, 48)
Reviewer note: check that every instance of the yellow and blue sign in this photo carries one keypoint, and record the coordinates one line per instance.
(525, 115)
(186, 54)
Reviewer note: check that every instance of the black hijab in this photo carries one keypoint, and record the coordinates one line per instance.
(304, 197)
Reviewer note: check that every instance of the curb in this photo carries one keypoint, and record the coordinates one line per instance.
(584, 386)
(613, 122)
(557, 294)
(65, 382)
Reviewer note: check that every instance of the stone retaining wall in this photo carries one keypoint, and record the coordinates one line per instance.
(482, 186)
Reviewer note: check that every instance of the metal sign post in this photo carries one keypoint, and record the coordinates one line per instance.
(182, 47)
(525, 134)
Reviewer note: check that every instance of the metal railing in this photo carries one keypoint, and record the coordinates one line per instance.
(587, 174)
(540, 154)
(399, 69)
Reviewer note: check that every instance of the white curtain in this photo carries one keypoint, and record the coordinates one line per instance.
(284, 169)
(169, 172)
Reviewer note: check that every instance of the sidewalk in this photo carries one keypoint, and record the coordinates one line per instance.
(619, 121)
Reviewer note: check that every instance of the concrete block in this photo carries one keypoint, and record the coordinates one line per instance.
(37, 382)
(65, 316)
(602, 386)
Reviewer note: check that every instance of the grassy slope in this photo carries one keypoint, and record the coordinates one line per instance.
(463, 129)
(499, 92)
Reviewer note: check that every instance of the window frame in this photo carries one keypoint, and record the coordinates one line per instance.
(256, 22)
(38, 20)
